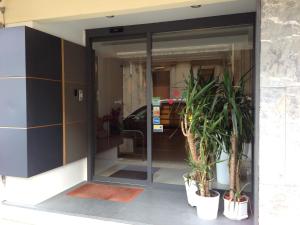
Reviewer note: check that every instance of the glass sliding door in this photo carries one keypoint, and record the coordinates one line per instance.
(127, 150)
(121, 123)
(210, 51)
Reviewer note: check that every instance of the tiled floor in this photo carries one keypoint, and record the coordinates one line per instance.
(157, 206)
(20, 215)
(169, 172)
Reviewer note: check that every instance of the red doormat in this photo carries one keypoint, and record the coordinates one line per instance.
(106, 192)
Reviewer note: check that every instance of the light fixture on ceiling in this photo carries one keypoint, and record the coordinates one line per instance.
(159, 68)
(196, 6)
(110, 16)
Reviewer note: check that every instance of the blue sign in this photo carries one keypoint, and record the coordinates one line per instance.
(156, 120)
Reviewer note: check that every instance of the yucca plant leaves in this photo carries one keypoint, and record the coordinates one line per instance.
(216, 110)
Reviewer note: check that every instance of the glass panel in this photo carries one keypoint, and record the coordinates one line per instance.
(121, 110)
(173, 55)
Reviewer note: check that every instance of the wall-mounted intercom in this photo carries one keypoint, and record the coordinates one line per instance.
(78, 93)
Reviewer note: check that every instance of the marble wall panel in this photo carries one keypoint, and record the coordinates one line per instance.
(279, 113)
(272, 133)
(280, 43)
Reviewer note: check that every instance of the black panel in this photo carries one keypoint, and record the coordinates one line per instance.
(75, 62)
(76, 138)
(13, 103)
(44, 149)
(44, 102)
(75, 110)
(12, 52)
(206, 22)
(28, 102)
(43, 55)
(13, 152)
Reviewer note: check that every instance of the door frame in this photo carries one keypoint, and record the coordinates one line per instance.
(146, 30)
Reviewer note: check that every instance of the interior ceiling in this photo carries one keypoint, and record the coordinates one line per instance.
(196, 44)
(74, 30)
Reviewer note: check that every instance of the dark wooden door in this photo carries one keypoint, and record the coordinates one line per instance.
(161, 84)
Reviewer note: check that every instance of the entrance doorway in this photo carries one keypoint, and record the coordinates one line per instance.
(121, 131)
(138, 142)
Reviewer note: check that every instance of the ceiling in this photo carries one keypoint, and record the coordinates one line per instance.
(74, 30)
(213, 43)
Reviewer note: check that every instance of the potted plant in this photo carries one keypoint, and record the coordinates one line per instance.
(201, 125)
(191, 188)
(238, 122)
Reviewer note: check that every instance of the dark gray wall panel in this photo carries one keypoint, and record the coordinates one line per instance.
(13, 103)
(44, 102)
(76, 138)
(43, 55)
(75, 62)
(12, 52)
(35, 103)
(44, 149)
(13, 152)
(75, 110)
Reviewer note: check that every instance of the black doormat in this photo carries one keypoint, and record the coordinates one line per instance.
(130, 174)
(133, 172)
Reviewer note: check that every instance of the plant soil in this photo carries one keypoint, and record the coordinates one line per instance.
(243, 198)
(212, 194)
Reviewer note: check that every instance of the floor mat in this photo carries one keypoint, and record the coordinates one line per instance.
(106, 192)
(130, 174)
(133, 172)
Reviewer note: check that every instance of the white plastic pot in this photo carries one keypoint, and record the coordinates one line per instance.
(191, 188)
(236, 210)
(207, 207)
(223, 169)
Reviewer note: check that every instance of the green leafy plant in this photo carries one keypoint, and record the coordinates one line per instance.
(238, 123)
(201, 124)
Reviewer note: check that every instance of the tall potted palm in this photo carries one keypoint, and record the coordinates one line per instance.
(201, 125)
(238, 122)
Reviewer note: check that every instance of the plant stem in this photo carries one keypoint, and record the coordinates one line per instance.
(192, 146)
(237, 178)
(233, 156)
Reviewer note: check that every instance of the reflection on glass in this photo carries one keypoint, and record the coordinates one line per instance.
(121, 98)
(121, 112)
(212, 51)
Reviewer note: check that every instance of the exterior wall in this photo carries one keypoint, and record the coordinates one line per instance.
(33, 190)
(279, 183)
(75, 111)
(30, 102)
(45, 185)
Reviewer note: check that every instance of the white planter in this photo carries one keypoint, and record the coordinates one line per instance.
(191, 188)
(207, 207)
(236, 210)
(223, 169)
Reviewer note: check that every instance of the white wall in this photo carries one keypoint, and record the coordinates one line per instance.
(134, 87)
(33, 190)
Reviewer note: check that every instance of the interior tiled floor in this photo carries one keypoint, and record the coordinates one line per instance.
(159, 206)
(167, 172)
